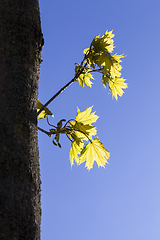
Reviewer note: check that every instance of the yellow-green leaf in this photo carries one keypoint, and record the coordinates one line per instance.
(45, 113)
(85, 79)
(75, 150)
(84, 131)
(85, 76)
(107, 37)
(103, 43)
(105, 80)
(116, 67)
(83, 126)
(105, 60)
(116, 85)
(94, 151)
(86, 51)
(86, 117)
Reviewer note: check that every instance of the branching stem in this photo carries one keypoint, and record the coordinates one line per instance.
(42, 130)
(69, 122)
(84, 135)
(96, 70)
(63, 88)
(50, 124)
(69, 83)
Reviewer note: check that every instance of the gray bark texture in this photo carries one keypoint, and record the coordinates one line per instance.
(21, 43)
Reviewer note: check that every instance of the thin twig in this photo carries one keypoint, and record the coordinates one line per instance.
(69, 122)
(96, 70)
(69, 138)
(69, 83)
(42, 130)
(62, 89)
(50, 124)
(83, 134)
(59, 92)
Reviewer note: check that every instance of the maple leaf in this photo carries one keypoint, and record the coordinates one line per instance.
(86, 51)
(107, 37)
(103, 43)
(45, 113)
(84, 131)
(116, 64)
(105, 60)
(99, 55)
(75, 150)
(83, 125)
(116, 85)
(94, 151)
(86, 117)
(105, 80)
(85, 76)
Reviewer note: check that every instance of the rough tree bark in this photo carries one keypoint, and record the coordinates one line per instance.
(21, 43)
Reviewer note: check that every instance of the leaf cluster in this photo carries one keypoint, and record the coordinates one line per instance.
(85, 144)
(84, 148)
(80, 131)
(99, 58)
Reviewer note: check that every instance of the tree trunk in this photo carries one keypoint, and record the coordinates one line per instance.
(21, 43)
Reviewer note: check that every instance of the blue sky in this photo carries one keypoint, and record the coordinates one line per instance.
(121, 201)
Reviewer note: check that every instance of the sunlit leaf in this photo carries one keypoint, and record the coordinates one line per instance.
(107, 37)
(75, 150)
(83, 125)
(45, 113)
(94, 151)
(86, 51)
(105, 80)
(103, 43)
(116, 85)
(84, 131)
(85, 76)
(99, 57)
(86, 117)
(116, 67)
(105, 60)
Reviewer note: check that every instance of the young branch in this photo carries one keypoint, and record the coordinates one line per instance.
(96, 70)
(63, 88)
(69, 83)
(50, 124)
(42, 130)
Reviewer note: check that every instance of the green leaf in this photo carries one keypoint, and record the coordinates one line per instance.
(84, 131)
(75, 150)
(98, 44)
(107, 38)
(86, 117)
(45, 113)
(85, 76)
(83, 128)
(94, 151)
(104, 43)
(105, 80)
(116, 85)
(99, 57)
(112, 77)
(116, 67)
(86, 51)
(105, 60)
